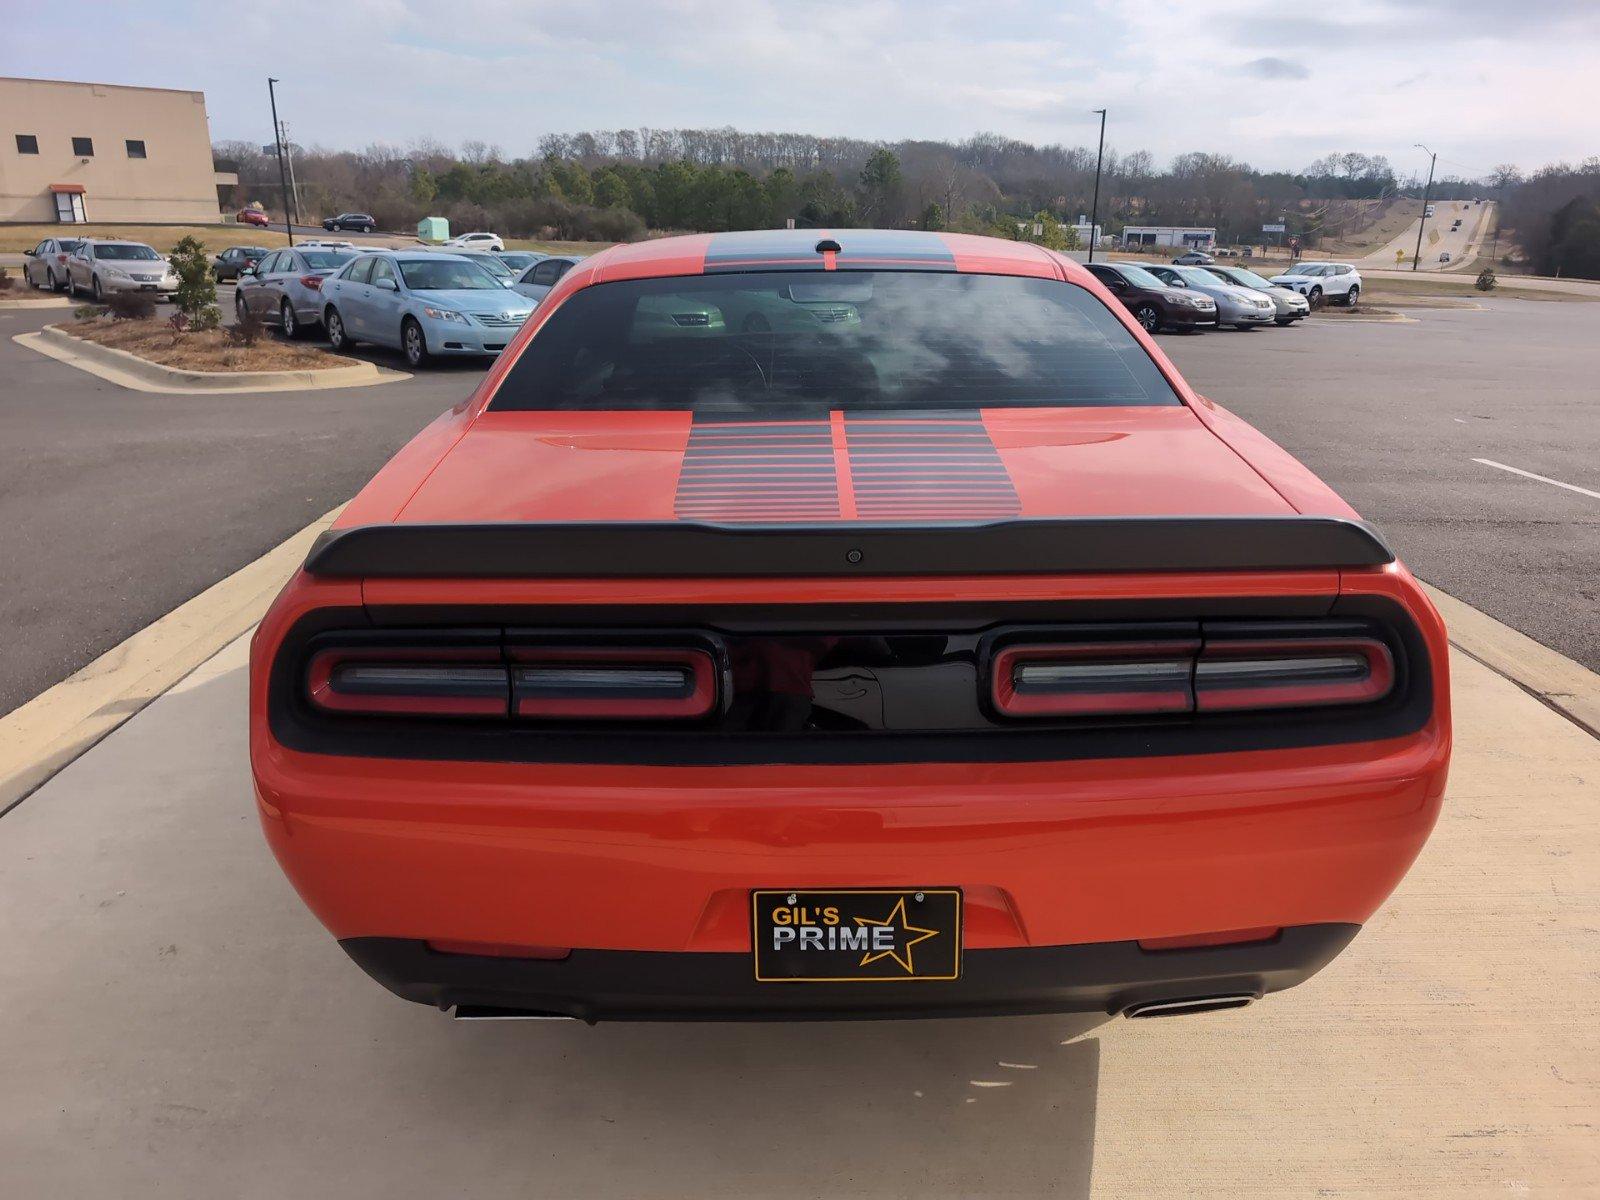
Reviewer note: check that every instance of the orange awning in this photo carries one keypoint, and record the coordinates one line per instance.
(69, 188)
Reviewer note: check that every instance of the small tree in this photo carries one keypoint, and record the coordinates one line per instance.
(1486, 280)
(196, 297)
(5, 280)
(932, 217)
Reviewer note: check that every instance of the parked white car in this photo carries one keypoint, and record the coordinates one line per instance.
(1337, 283)
(476, 241)
(102, 267)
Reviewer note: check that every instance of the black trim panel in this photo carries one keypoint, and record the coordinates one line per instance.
(1407, 709)
(676, 549)
(624, 985)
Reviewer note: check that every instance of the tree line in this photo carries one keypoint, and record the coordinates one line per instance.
(620, 184)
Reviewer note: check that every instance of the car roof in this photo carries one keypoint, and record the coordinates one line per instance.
(859, 249)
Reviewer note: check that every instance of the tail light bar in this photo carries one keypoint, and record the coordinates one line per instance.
(542, 682)
(1068, 679)
(1095, 678)
(620, 683)
(314, 282)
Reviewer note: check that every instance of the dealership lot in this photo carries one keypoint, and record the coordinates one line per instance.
(178, 1022)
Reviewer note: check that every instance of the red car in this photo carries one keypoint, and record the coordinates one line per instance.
(876, 624)
(253, 216)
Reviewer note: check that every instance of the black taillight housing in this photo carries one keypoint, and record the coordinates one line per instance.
(1222, 667)
(488, 674)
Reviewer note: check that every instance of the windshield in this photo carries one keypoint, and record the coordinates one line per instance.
(127, 253)
(492, 264)
(1249, 278)
(1305, 269)
(326, 260)
(1196, 276)
(445, 275)
(766, 342)
(1139, 277)
(70, 244)
(519, 261)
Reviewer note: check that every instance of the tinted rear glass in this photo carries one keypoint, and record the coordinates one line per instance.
(759, 342)
(323, 260)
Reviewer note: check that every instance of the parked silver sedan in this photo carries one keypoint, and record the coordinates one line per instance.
(535, 283)
(285, 287)
(1291, 305)
(1241, 307)
(46, 263)
(103, 267)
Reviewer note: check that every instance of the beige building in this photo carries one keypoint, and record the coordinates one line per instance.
(77, 152)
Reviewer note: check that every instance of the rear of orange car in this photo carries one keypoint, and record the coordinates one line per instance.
(860, 626)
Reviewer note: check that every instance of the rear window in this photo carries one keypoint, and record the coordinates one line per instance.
(324, 260)
(767, 341)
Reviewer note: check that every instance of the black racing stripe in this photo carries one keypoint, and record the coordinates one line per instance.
(758, 471)
(938, 467)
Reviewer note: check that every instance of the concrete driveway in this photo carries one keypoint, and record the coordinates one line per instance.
(177, 1025)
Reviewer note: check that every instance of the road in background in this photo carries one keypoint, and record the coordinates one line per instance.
(1463, 245)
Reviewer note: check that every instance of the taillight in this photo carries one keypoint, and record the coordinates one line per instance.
(612, 683)
(314, 282)
(413, 681)
(1082, 679)
(1094, 679)
(1225, 937)
(61, 258)
(1291, 674)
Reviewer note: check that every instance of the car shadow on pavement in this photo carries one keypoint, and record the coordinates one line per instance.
(971, 1107)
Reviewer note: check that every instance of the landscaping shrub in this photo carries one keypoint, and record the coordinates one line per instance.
(130, 306)
(246, 331)
(6, 282)
(196, 296)
(88, 312)
(1487, 281)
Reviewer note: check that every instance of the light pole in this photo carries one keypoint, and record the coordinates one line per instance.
(288, 158)
(1094, 209)
(1426, 192)
(283, 176)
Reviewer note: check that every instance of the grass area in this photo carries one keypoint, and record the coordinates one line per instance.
(206, 351)
(1459, 286)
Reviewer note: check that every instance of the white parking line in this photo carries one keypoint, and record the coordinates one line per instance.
(1571, 487)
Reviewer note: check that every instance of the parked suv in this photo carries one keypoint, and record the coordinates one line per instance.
(1154, 304)
(46, 265)
(1337, 283)
(100, 268)
(286, 286)
(476, 241)
(360, 222)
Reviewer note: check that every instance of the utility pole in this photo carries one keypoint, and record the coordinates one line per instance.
(1094, 209)
(288, 157)
(1427, 191)
(283, 175)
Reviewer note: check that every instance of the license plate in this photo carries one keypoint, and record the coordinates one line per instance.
(860, 935)
(147, 287)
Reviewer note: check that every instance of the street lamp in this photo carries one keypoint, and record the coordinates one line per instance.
(277, 141)
(1426, 192)
(1094, 209)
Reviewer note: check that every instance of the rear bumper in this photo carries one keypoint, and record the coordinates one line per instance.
(600, 985)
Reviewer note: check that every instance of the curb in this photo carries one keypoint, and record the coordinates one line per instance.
(1569, 688)
(59, 724)
(131, 371)
(23, 303)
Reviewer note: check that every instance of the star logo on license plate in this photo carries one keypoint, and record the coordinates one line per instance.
(904, 941)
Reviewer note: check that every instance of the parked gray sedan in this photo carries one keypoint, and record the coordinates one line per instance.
(535, 283)
(286, 287)
(1291, 305)
(1241, 307)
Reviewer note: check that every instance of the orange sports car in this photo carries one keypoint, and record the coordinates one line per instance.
(854, 624)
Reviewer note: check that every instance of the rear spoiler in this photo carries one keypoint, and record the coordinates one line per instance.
(665, 549)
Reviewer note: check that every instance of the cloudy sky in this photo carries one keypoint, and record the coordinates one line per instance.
(1276, 84)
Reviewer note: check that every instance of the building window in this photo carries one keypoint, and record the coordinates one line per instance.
(83, 147)
(135, 148)
(27, 143)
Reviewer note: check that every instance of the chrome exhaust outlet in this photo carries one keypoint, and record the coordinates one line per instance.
(477, 1012)
(1188, 1004)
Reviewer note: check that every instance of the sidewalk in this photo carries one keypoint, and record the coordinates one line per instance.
(178, 1026)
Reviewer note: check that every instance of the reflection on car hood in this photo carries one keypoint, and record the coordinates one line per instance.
(477, 299)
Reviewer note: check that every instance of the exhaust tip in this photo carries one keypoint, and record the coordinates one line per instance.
(478, 1012)
(1188, 1004)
